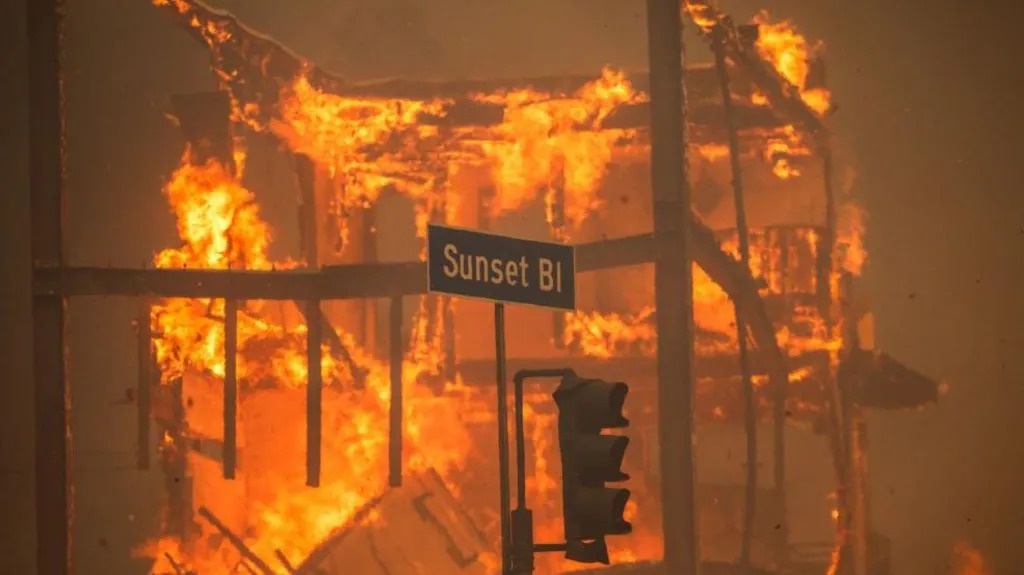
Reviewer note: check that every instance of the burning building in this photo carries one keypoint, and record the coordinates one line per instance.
(378, 462)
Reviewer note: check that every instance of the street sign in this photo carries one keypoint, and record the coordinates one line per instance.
(472, 264)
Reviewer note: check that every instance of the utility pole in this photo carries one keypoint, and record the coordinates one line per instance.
(673, 285)
(46, 170)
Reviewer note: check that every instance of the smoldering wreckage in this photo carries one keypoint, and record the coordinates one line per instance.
(408, 486)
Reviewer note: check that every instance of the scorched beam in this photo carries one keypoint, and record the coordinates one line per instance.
(336, 282)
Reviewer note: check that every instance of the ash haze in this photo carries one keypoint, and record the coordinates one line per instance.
(929, 96)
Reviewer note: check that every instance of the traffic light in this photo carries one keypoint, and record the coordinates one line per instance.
(589, 460)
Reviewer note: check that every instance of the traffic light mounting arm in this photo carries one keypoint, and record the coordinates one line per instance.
(523, 546)
(520, 377)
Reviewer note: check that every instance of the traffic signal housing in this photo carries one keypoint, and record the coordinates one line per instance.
(590, 459)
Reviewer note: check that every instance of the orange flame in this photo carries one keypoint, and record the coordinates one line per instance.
(546, 142)
(789, 52)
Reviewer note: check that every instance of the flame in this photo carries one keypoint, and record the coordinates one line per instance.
(609, 334)
(967, 560)
(789, 52)
(703, 15)
(547, 142)
(367, 140)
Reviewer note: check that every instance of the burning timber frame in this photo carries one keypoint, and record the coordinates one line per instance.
(55, 281)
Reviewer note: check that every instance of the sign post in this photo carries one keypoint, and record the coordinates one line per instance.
(501, 269)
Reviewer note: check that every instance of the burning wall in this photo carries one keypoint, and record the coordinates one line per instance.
(573, 156)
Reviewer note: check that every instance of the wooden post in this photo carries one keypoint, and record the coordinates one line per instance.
(52, 396)
(174, 463)
(749, 396)
(230, 387)
(314, 392)
(144, 385)
(855, 432)
(673, 281)
(396, 428)
(786, 239)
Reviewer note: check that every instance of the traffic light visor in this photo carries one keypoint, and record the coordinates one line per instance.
(599, 458)
(596, 404)
(600, 511)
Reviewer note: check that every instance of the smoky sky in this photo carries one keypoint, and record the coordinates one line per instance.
(929, 97)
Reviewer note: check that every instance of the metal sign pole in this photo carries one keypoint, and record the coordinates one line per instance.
(503, 462)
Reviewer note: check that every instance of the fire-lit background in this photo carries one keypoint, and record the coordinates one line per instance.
(925, 97)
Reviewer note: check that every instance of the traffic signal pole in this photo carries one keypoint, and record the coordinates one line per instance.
(673, 285)
(523, 546)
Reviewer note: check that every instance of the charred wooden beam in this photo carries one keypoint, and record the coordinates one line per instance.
(230, 387)
(396, 428)
(174, 450)
(330, 282)
(749, 398)
(178, 568)
(144, 384)
(360, 281)
(314, 392)
(330, 337)
(857, 438)
(45, 21)
(236, 541)
(283, 560)
(719, 366)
